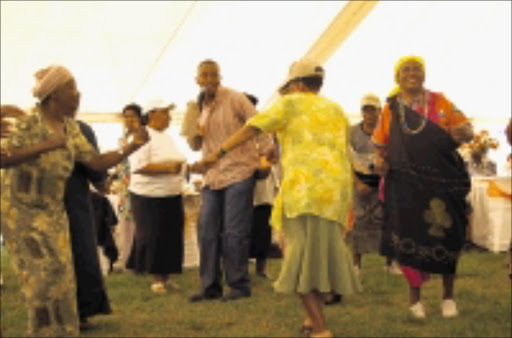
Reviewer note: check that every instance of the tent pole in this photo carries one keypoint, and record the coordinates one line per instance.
(347, 20)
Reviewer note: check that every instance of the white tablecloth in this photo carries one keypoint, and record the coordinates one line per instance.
(191, 247)
(490, 223)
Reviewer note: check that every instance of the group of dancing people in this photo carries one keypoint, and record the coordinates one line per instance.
(397, 176)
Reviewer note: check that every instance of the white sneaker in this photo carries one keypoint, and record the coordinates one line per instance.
(449, 308)
(417, 310)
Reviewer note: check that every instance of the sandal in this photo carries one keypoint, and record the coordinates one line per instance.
(158, 287)
(323, 334)
(307, 325)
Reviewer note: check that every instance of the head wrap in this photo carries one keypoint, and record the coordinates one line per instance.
(49, 80)
(399, 65)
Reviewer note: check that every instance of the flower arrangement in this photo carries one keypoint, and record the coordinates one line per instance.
(480, 145)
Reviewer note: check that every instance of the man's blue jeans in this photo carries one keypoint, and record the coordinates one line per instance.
(224, 232)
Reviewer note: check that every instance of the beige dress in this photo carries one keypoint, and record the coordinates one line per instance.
(36, 230)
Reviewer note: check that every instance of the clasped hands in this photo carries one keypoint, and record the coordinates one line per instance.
(207, 162)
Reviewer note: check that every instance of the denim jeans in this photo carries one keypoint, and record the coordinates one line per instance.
(224, 232)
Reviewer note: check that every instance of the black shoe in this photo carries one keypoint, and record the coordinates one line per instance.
(85, 325)
(204, 297)
(235, 295)
(334, 299)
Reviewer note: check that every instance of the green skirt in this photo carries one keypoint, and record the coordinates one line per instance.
(316, 258)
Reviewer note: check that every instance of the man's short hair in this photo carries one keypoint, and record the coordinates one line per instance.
(254, 100)
(208, 62)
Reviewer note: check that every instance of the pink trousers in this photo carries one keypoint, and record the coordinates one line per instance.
(415, 277)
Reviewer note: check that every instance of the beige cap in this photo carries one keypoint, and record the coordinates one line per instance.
(370, 100)
(303, 68)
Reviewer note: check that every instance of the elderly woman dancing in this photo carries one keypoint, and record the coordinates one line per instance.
(426, 182)
(41, 155)
(316, 191)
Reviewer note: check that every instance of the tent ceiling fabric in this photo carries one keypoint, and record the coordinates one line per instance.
(134, 51)
(466, 46)
(112, 47)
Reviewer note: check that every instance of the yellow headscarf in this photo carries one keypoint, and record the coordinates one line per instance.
(399, 65)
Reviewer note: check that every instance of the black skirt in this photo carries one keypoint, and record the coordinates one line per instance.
(91, 290)
(158, 242)
(261, 233)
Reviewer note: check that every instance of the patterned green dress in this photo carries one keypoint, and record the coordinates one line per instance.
(35, 227)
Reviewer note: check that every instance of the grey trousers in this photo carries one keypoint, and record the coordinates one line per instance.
(224, 232)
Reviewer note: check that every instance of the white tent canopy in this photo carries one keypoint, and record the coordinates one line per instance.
(134, 51)
(466, 46)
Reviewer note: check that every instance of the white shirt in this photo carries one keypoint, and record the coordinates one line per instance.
(160, 148)
(266, 189)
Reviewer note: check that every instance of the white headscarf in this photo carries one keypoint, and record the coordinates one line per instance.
(50, 79)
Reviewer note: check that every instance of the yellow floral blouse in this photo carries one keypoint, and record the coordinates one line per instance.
(317, 175)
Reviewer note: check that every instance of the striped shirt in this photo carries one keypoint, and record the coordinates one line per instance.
(225, 116)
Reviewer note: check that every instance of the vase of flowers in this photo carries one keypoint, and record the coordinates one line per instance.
(478, 150)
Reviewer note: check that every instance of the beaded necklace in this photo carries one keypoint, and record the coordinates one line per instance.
(401, 114)
(427, 173)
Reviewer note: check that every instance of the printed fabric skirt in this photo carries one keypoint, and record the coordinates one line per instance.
(316, 258)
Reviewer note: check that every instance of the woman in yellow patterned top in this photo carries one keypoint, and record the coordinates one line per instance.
(311, 209)
(41, 153)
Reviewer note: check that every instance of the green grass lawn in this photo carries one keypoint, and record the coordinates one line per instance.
(483, 293)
